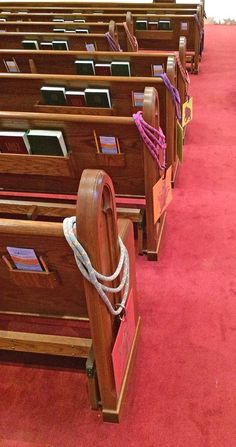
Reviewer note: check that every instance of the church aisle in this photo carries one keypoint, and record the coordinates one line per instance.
(183, 389)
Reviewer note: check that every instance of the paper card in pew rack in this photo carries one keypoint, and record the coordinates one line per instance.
(79, 21)
(47, 142)
(109, 145)
(153, 25)
(25, 259)
(138, 98)
(119, 68)
(14, 142)
(75, 98)
(30, 44)
(60, 45)
(58, 20)
(11, 66)
(157, 69)
(55, 96)
(96, 97)
(90, 46)
(85, 67)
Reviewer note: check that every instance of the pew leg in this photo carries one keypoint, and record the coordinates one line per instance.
(153, 255)
(174, 172)
(93, 390)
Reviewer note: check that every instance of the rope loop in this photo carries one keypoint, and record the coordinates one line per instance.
(174, 93)
(84, 264)
(131, 38)
(112, 42)
(154, 139)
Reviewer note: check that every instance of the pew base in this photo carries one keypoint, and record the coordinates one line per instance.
(153, 255)
(174, 172)
(114, 415)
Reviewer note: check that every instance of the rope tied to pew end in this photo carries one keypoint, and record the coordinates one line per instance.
(184, 74)
(174, 93)
(154, 139)
(112, 42)
(131, 38)
(84, 264)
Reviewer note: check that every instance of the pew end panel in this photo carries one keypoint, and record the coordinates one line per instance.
(74, 298)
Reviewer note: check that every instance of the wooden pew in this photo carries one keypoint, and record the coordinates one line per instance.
(147, 39)
(133, 171)
(21, 92)
(75, 41)
(60, 294)
(116, 30)
(64, 62)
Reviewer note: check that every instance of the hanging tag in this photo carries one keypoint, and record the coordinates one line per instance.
(162, 194)
(123, 343)
(180, 137)
(187, 112)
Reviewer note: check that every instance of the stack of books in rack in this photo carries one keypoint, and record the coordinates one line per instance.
(33, 142)
(90, 97)
(45, 45)
(114, 68)
(162, 24)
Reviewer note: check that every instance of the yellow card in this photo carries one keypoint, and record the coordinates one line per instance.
(179, 139)
(162, 194)
(187, 112)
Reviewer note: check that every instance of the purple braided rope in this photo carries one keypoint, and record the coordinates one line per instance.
(154, 139)
(174, 93)
(113, 44)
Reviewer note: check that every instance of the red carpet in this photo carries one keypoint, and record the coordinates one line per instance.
(183, 391)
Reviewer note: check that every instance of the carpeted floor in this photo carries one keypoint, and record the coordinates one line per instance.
(183, 390)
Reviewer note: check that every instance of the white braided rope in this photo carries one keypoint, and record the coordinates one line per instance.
(87, 270)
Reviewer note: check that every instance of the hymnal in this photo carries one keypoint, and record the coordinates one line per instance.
(141, 24)
(98, 97)
(120, 68)
(30, 44)
(75, 98)
(47, 142)
(164, 25)
(46, 45)
(14, 142)
(103, 69)
(59, 30)
(85, 67)
(60, 45)
(152, 25)
(53, 95)
(82, 31)
(25, 259)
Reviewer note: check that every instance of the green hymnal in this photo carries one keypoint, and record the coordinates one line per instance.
(53, 95)
(47, 142)
(30, 44)
(164, 24)
(141, 24)
(120, 68)
(98, 97)
(85, 67)
(60, 45)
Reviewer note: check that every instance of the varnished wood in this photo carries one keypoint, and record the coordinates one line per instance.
(44, 344)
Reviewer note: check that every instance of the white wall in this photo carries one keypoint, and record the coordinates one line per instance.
(218, 9)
